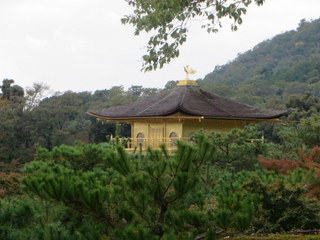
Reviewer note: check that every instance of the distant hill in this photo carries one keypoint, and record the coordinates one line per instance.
(267, 75)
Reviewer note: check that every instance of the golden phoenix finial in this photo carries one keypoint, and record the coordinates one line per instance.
(188, 70)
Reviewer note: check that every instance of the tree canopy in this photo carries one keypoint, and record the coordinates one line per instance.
(168, 20)
(274, 70)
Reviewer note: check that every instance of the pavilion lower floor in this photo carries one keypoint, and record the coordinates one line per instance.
(167, 131)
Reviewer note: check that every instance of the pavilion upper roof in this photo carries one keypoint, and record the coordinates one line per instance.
(187, 100)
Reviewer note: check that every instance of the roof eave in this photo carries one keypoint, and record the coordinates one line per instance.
(108, 118)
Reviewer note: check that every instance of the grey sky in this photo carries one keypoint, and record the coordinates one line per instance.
(81, 45)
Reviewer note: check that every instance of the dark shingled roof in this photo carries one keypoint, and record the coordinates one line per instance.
(188, 100)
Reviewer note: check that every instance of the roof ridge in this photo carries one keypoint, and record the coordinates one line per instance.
(182, 98)
(210, 101)
(162, 99)
(241, 103)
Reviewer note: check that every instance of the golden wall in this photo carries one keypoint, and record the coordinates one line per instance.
(154, 132)
(191, 126)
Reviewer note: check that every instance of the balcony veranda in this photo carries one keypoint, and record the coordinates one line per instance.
(133, 144)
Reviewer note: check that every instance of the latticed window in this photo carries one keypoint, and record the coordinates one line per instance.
(140, 139)
(190, 136)
(173, 137)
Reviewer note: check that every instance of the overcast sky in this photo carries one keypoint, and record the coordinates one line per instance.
(80, 45)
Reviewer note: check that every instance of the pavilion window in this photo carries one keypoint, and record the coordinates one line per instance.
(173, 138)
(140, 139)
(190, 136)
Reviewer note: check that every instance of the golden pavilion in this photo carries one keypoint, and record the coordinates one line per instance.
(177, 113)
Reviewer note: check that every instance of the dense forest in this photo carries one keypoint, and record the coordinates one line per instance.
(27, 120)
(271, 72)
(62, 178)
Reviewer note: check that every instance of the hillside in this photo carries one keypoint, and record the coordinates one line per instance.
(273, 70)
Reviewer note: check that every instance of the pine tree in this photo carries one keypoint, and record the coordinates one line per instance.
(129, 196)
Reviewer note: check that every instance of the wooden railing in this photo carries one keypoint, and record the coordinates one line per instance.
(132, 143)
(170, 143)
(257, 140)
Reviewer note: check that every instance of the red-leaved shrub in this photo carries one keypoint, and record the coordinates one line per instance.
(279, 166)
(306, 161)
